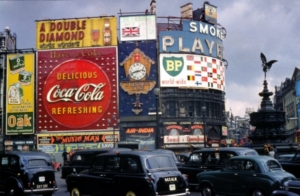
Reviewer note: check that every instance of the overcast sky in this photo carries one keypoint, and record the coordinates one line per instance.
(253, 26)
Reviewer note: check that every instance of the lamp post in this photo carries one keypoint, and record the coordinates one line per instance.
(203, 114)
(114, 137)
(156, 93)
(108, 122)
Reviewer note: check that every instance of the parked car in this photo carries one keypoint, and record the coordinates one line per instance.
(169, 152)
(292, 165)
(285, 157)
(23, 172)
(81, 159)
(210, 159)
(131, 173)
(245, 175)
(292, 188)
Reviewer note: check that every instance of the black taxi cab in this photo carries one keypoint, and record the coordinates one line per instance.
(207, 159)
(130, 173)
(23, 172)
(81, 159)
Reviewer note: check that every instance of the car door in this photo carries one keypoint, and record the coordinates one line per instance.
(131, 176)
(4, 165)
(103, 175)
(248, 175)
(9, 167)
(192, 167)
(292, 166)
(229, 178)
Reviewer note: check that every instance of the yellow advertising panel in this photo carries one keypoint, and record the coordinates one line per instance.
(20, 94)
(76, 33)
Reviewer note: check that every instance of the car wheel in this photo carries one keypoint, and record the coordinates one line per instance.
(130, 193)
(207, 190)
(257, 192)
(75, 192)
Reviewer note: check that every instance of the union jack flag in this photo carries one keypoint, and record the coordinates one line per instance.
(130, 32)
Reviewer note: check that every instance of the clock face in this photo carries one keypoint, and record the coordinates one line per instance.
(137, 71)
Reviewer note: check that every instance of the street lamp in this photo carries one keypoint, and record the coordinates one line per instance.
(118, 134)
(108, 122)
(156, 93)
(203, 114)
(114, 137)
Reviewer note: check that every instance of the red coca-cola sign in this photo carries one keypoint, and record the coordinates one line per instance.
(77, 93)
(76, 89)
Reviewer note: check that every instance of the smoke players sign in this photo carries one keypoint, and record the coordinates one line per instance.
(77, 88)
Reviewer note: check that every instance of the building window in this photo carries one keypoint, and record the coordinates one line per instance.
(182, 109)
(190, 108)
(172, 109)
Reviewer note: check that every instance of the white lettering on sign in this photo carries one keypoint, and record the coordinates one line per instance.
(197, 45)
(82, 93)
(205, 29)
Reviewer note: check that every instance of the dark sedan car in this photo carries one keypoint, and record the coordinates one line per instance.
(81, 159)
(210, 159)
(245, 175)
(130, 173)
(27, 173)
(292, 165)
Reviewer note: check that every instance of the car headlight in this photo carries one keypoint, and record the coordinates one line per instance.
(285, 185)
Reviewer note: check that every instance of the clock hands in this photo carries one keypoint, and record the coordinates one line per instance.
(140, 70)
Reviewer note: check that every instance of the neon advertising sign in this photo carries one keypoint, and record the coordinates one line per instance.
(78, 92)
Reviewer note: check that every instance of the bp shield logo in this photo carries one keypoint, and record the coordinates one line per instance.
(172, 65)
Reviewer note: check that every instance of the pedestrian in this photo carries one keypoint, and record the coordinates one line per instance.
(232, 143)
(266, 150)
(271, 152)
(249, 144)
(298, 148)
(275, 151)
(65, 155)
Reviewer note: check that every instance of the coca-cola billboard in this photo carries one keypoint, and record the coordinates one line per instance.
(77, 89)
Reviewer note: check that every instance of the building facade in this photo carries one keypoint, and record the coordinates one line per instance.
(147, 85)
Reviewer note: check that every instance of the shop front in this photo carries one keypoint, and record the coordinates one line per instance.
(187, 136)
(19, 145)
(55, 144)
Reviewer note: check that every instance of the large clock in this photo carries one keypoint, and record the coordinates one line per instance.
(137, 71)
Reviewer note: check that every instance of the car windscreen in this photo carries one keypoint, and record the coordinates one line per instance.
(37, 163)
(160, 162)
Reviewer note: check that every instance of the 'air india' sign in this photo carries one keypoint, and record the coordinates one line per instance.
(77, 88)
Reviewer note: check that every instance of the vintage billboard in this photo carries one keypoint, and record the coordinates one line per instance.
(77, 89)
(136, 28)
(52, 143)
(183, 133)
(144, 135)
(191, 71)
(20, 100)
(196, 37)
(138, 73)
(76, 33)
